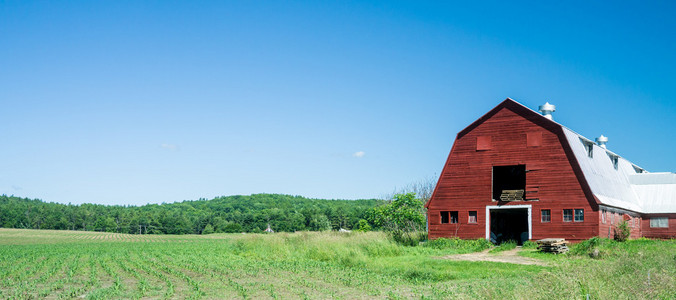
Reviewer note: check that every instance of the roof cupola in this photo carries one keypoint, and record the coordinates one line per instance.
(547, 110)
(602, 141)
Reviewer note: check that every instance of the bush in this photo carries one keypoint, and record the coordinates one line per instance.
(622, 231)
(403, 218)
(363, 226)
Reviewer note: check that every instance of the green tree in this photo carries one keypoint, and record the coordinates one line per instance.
(319, 222)
(224, 214)
(232, 228)
(404, 212)
(363, 226)
(403, 218)
(208, 229)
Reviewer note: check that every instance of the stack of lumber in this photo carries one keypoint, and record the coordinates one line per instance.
(552, 245)
(511, 195)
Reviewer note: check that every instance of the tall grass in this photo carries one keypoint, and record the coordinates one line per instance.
(634, 269)
(504, 246)
(459, 246)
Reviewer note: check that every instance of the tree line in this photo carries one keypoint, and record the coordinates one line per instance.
(229, 214)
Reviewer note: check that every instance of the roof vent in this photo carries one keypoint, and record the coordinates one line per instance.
(601, 141)
(547, 110)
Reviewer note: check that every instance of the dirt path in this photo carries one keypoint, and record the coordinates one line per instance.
(509, 256)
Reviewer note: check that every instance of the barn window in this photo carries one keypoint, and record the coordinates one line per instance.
(483, 143)
(449, 217)
(546, 216)
(614, 159)
(444, 217)
(603, 216)
(509, 182)
(579, 215)
(659, 222)
(612, 218)
(567, 215)
(472, 217)
(638, 169)
(589, 147)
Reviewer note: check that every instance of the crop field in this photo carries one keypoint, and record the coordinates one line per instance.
(37, 264)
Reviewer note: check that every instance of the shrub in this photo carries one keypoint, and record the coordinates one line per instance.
(403, 218)
(363, 226)
(622, 231)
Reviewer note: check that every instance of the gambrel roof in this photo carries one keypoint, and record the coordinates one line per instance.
(621, 183)
(609, 178)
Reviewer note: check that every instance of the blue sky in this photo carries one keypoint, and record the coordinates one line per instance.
(134, 102)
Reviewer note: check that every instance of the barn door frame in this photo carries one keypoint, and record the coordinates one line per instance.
(522, 206)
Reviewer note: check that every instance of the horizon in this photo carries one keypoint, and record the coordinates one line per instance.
(135, 103)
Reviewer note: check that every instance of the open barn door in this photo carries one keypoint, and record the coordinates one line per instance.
(508, 222)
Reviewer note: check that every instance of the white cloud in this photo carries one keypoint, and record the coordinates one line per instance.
(359, 154)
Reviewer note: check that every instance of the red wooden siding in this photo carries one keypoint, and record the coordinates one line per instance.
(613, 219)
(483, 143)
(534, 139)
(466, 181)
(662, 233)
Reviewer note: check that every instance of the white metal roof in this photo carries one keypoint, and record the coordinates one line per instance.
(611, 186)
(656, 190)
(626, 186)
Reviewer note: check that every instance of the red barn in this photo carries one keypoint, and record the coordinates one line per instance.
(515, 174)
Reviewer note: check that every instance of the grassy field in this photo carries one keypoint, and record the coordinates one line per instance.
(74, 264)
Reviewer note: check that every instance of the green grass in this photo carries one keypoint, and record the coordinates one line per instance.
(318, 265)
(508, 245)
(459, 246)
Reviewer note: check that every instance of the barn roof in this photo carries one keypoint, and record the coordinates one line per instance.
(615, 181)
(658, 190)
(606, 177)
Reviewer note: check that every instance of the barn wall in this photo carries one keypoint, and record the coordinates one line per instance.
(613, 216)
(509, 139)
(662, 233)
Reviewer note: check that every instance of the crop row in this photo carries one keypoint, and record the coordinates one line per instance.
(171, 270)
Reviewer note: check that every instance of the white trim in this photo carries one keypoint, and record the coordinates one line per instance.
(488, 217)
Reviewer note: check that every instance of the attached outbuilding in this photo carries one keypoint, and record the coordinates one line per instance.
(516, 174)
